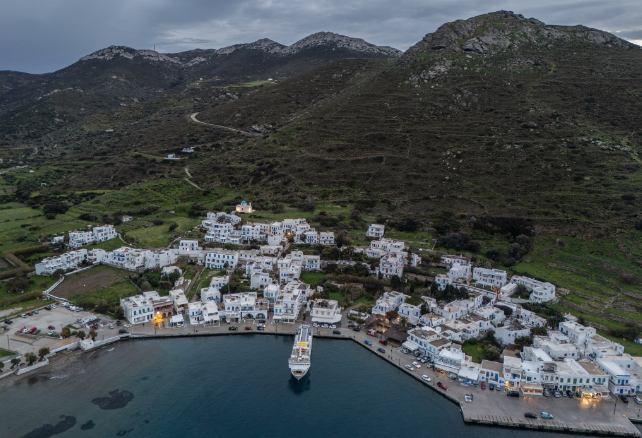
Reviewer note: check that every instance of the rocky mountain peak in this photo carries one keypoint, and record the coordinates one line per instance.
(498, 31)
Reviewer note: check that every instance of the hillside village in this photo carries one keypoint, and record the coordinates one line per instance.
(537, 358)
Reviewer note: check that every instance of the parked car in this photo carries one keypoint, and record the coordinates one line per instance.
(118, 323)
(248, 328)
(52, 333)
(416, 365)
(569, 393)
(442, 386)
(498, 387)
(381, 341)
(315, 325)
(111, 326)
(638, 400)
(547, 393)
(336, 332)
(36, 332)
(512, 393)
(262, 321)
(260, 327)
(409, 368)
(8, 321)
(530, 415)
(625, 399)
(381, 350)
(563, 393)
(53, 306)
(36, 312)
(423, 360)
(333, 326)
(231, 328)
(426, 378)
(29, 314)
(23, 316)
(126, 325)
(51, 327)
(483, 385)
(95, 327)
(547, 415)
(491, 386)
(48, 308)
(367, 342)
(33, 330)
(324, 326)
(122, 330)
(356, 329)
(556, 394)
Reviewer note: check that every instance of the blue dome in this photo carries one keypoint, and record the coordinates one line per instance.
(243, 202)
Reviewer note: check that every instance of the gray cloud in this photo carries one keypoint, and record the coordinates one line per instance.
(45, 35)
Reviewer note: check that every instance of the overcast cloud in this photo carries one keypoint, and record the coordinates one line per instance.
(39, 36)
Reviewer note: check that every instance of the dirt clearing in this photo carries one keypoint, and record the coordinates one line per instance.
(92, 279)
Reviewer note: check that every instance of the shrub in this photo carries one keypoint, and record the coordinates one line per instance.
(306, 206)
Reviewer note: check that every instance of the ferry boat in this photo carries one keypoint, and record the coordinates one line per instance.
(301, 352)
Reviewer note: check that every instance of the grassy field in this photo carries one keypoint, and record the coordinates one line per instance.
(253, 84)
(313, 278)
(110, 295)
(4, 353)
(475, 351)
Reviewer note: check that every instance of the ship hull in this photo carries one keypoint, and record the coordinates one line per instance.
(299, 373)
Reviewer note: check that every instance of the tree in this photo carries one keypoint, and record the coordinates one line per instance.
(491, 352)
(395, 281)
(434, 289)
(15, 362)
(31, 358)
(81, 334)
(93, 334)
(392, 315)
(424, 309)
(403, 322)
(66, 332)
(539, 331)
(43, 352)
(524, 341)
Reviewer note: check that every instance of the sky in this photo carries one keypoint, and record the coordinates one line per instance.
(38, 36)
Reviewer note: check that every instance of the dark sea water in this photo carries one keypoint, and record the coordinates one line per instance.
(232, 386)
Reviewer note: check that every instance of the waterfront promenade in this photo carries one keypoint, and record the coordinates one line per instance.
(488, 407)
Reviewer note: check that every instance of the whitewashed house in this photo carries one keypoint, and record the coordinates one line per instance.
(259, 280)
(66, 261)
(219, 282)
(326, 238)
(210, 313)
(389, 266)
(443, 280)
(210, 294)
(241, 305)
(139, 308)
(450, 259)
(376, 230)
(388, 302)
(490, 277)
(460, 271)
(411, 312)
(311, 263)
(311, 237)
(195, 312)
(187, 247)
(221, 259)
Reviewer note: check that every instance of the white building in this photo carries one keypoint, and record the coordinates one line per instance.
(188, 247)
(325, 312)
(510, 331)
(450, 259)
(427, 340)
(221, 259)
(460, 271)
(96, 234)
(389, 266)
(195, 312)
(443, 280)
(66, 261)
(181, 305)
(557, 345)
(411, 312)
(244, 207)
(311, 262)
(259, 280)
(541, 291)
(210, 294)
(376, 230)
(139, 308)
(210, 313)
(577, 333)
(490, 277)
(311, 237)
(219, 282)
(326, 238)
(388, 302)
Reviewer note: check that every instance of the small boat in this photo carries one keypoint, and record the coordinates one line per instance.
(111, 349)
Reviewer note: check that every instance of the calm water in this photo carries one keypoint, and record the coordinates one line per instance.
(233, 386)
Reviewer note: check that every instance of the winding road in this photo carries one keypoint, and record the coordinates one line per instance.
(253, 134)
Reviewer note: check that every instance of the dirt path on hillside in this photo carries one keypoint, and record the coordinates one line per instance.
(254, 134)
